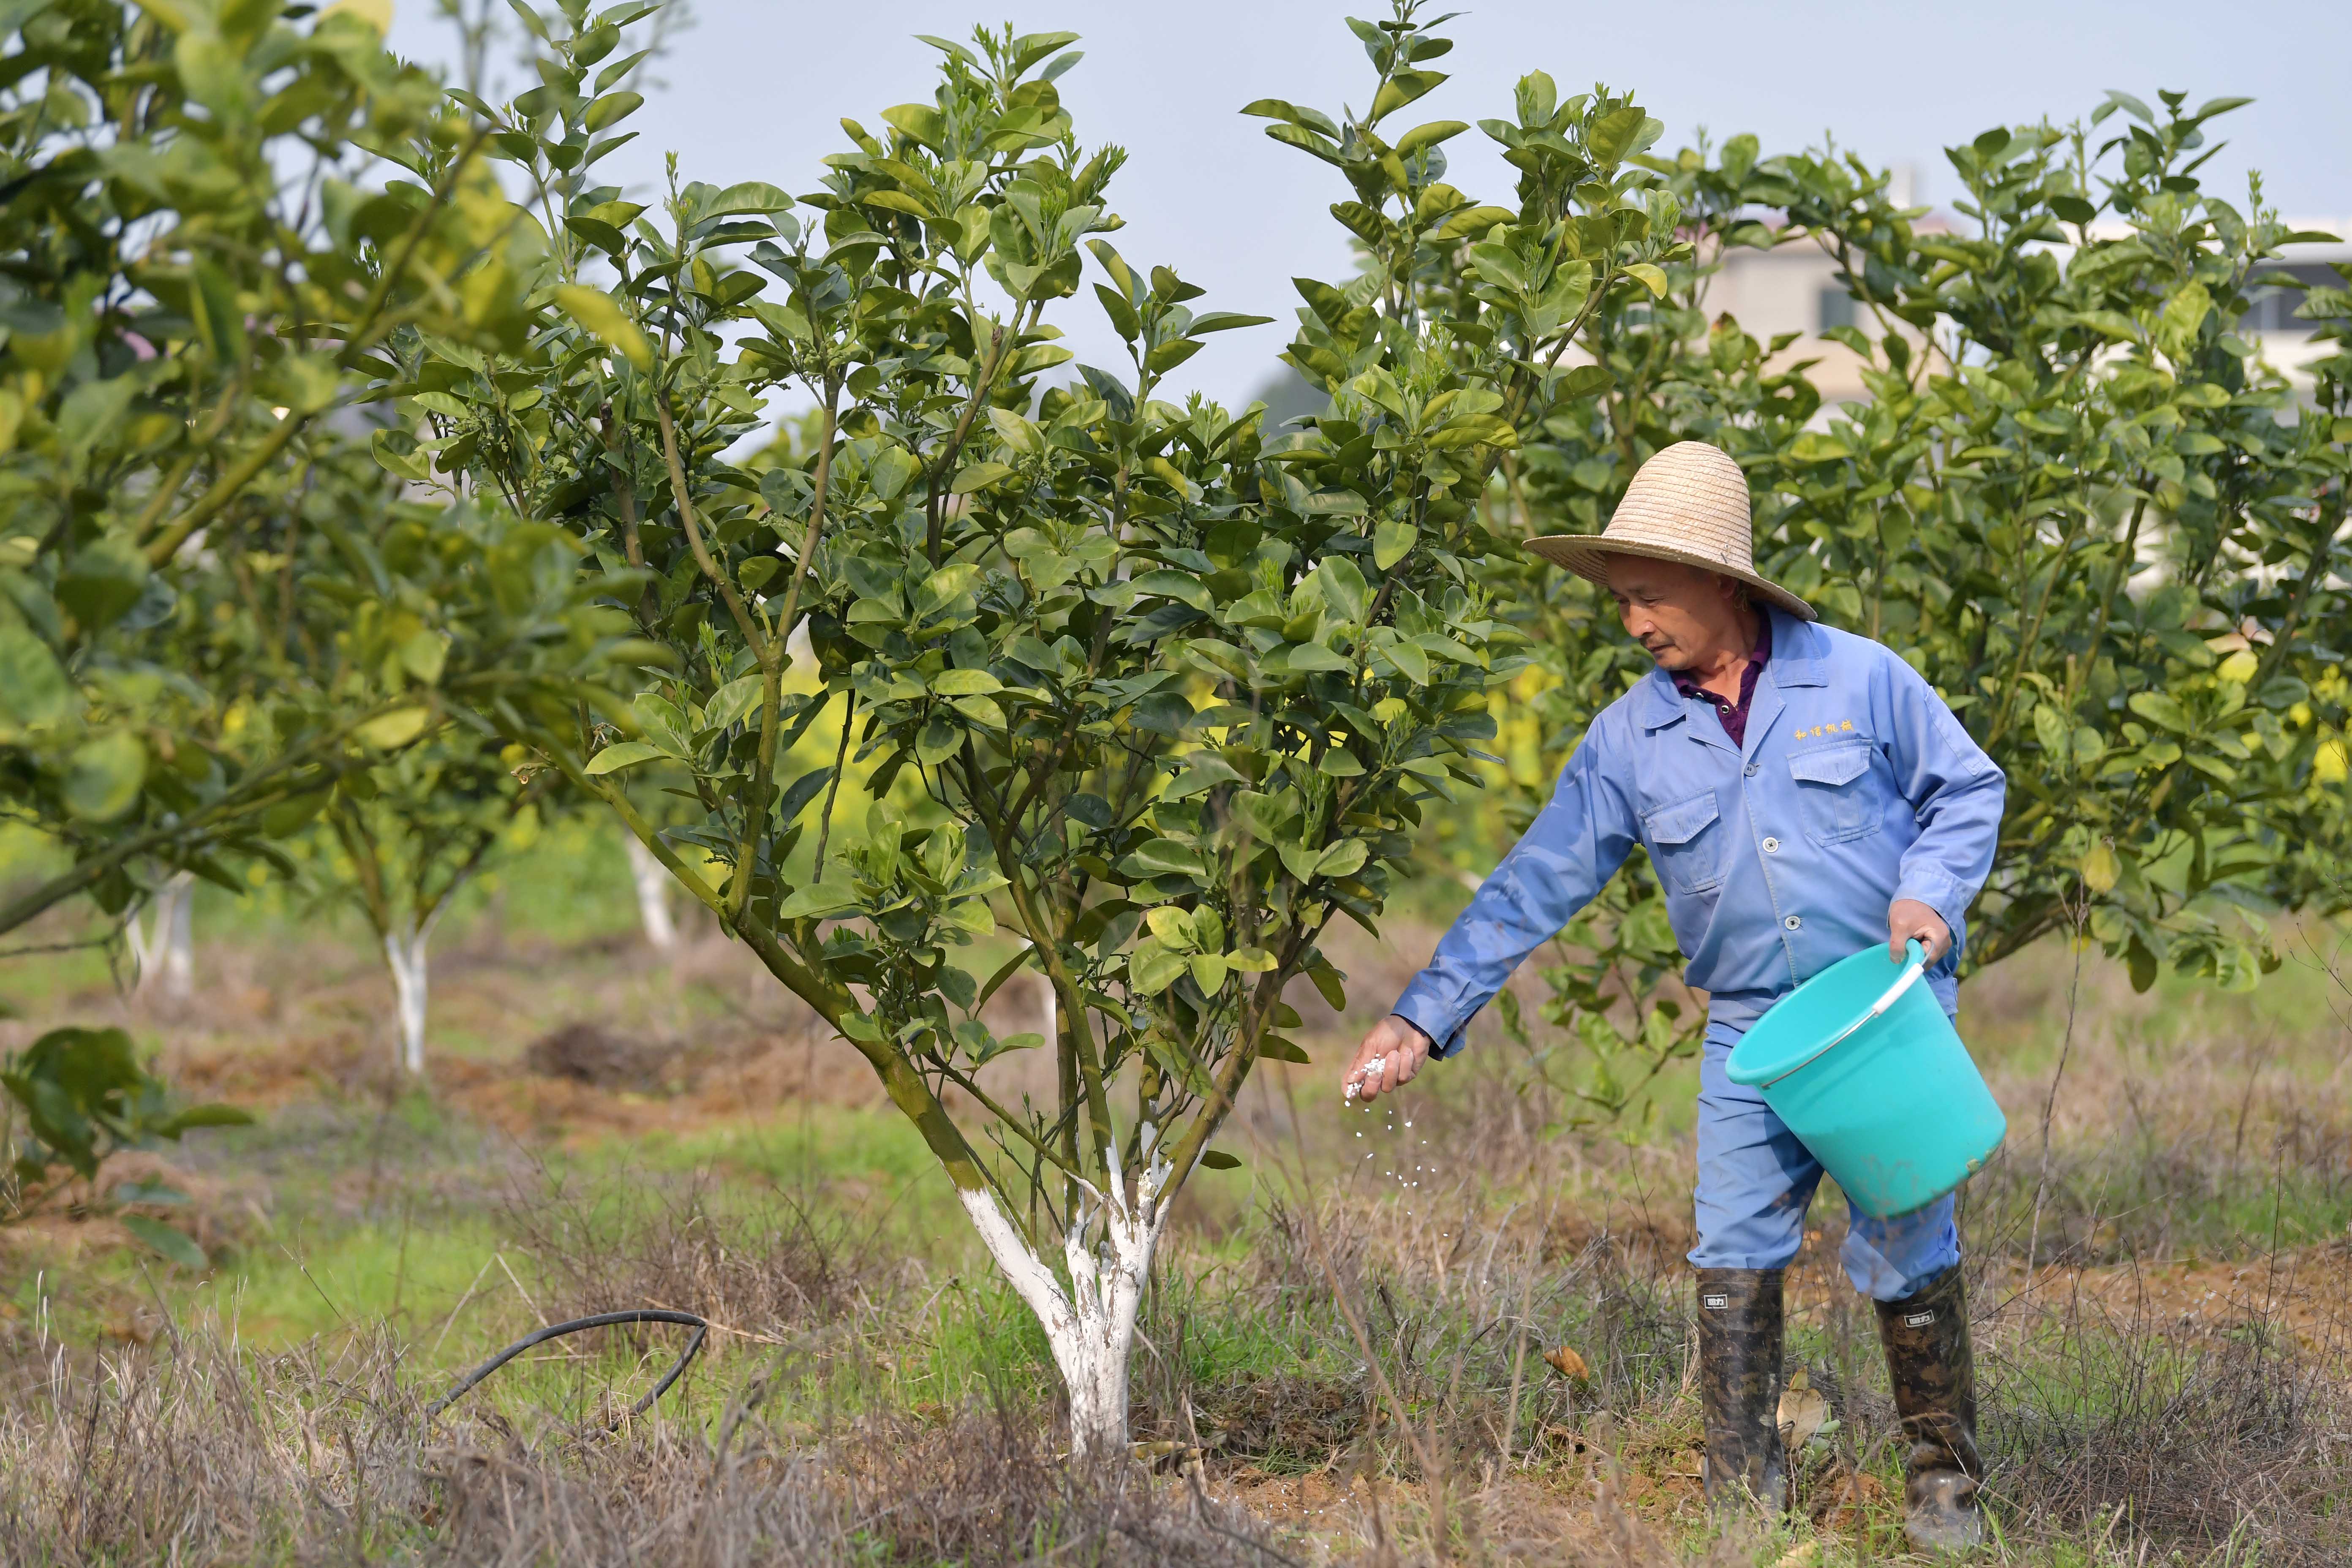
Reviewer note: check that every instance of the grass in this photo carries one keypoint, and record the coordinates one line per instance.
(1342, 1358)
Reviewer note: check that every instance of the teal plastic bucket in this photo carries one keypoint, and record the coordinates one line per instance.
(1865, 1068)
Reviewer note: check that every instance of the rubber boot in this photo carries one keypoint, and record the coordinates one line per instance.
(1928, 1362)
(1739, 1334)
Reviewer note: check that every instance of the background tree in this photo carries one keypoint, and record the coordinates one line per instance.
(213, 602)
(407, 835)
(163, 938)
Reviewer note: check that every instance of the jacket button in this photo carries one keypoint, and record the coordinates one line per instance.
(1771, 846)
(1794, 922)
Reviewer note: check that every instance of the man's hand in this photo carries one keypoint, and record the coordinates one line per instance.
(1387, 1059)
(1908, 920)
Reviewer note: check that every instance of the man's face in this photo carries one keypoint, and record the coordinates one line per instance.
(1679, 613)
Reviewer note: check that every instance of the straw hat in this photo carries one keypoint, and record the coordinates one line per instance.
(1687, 503)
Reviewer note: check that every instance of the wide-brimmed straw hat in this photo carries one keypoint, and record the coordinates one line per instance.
(1687, 503)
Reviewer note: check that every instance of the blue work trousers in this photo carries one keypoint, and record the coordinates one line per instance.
(1756, 1181)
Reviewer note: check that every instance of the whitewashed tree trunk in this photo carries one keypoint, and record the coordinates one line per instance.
(1091, 1325)
(652, 878)
(166, 956)
(405, 952)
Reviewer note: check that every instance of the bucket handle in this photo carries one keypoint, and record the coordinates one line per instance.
(1915, 965)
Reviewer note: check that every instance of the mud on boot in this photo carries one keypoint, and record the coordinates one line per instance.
(1740, 1340)
(1933, 1371)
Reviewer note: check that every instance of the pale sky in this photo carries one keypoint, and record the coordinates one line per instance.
(755, 90)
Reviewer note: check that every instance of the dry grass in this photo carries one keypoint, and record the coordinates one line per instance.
(1338, 1365)
(208, 1455)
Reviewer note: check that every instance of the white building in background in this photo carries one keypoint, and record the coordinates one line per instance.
(1794, 287)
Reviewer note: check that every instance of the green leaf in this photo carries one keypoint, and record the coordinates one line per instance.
(1123, 319)
(1344, 859)
(979, 476)
(1218, 1160)
(104, 776)
(1224, 321)
(1172, 926)
(1017, 431)
(1652, 277)
(610, 110)
(1276, 108)
(1501, 266)
(939, 739)
(33, 686)
(731, 704)
(1313, 658)
(1166, 857)
(1021, 1042)
(1391, 542)
(1428, 135)
(1472, 430)
(1202, 771)
(625, 753)
(92, 410)
(892, 467)
(1182, 586)
(966, 683)
(1406, 660)
(980, 711)
(1586, 381)
(1400, 89)
(596, 311)
(388, 731)
(1153, 968)
(1621, 134)
(1210, 970)
(220, 322)
(2158, 707)
(173, 1245)
(1812, 447)
(1344, 590)
(819, 901)
(751, 196)
(2186, 312)
(102, 581)
(1475, 220)
(1275, 1048)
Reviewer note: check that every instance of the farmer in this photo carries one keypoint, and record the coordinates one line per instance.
(1803, 793)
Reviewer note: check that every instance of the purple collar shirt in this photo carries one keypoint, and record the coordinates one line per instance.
(1734, 715)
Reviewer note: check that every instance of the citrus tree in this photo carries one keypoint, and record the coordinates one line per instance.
(214, 602)
(2077, 498)
(1154, 689)
(213, 219)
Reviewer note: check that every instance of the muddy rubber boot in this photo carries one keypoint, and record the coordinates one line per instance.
(1928, 1361)
(1739, 1334)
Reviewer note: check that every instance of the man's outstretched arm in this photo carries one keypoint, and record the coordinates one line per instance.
(1571, 848)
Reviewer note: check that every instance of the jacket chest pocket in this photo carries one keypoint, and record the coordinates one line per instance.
(1687, 843)
(1839, 799)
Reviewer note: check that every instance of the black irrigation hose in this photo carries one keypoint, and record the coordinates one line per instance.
(701, 1328)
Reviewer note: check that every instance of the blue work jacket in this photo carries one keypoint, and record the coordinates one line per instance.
(1857, 786)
